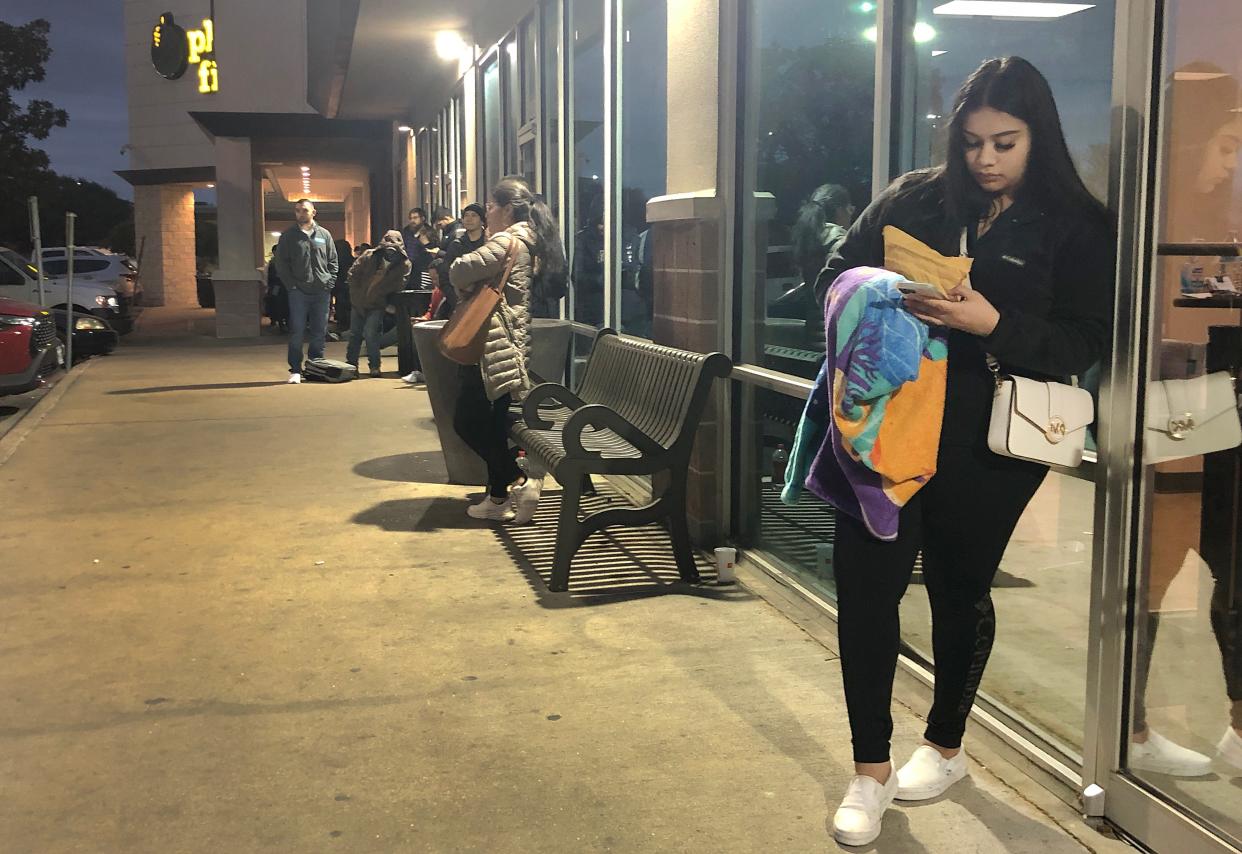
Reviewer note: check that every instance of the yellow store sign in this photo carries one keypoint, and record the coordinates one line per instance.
(174, 49)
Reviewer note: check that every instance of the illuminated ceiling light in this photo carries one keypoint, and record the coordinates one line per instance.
(211, 186)
(924, 32)
(450, 45)
(404, 129)
(274, 233)
(866, 7)
(511, 48)
(1198, 76)
(1010, 9)
(936, 53)
(871, 34)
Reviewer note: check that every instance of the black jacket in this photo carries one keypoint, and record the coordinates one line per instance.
(1049, 274)
(457, 245)
(304, 261)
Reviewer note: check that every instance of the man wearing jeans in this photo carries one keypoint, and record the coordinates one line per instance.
(306, 262)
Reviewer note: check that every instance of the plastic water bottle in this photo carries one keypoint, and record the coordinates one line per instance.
(780, 459)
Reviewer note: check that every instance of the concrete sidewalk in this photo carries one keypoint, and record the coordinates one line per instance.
(258, 620)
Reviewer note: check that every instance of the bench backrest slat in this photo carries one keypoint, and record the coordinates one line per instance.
(658, 389)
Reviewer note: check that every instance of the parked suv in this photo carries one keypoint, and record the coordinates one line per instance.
(29, 349)
(91, 264)
(19, 280)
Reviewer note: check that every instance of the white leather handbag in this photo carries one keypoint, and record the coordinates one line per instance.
(1043, 422)
(1189, 417)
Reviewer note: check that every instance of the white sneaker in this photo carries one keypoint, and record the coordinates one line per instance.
(1161, 756)
(928, 774)
(857, 821)
(1229, 750)
(413, 378)
(488, 509)
(294, 379)
(525, 500)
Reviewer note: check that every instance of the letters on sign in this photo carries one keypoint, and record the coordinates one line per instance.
(173, 49)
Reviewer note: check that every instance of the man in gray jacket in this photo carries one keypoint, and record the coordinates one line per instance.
(306, 262)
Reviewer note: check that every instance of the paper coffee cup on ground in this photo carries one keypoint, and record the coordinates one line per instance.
(726, 557)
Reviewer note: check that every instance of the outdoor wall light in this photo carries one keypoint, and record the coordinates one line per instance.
(1009, 9)
(404, 129)
(450, 45)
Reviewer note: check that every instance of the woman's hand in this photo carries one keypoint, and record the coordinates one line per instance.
(965, 309)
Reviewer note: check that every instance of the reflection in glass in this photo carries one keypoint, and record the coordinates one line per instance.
(1186, 690)
(551, 105)
(644, 110)
(588, 170)
(492, 168)
(809, 139)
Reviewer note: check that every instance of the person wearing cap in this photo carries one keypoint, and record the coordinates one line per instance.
(470, 236)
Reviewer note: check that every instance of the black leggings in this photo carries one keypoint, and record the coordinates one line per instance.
(484, 425)
(962, 521)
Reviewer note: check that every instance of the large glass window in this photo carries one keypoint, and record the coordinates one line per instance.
(551, 136)
(810, 94)
(587, 172)
(1187, 658)
(513, 102)
(644, 128)
(491, 132)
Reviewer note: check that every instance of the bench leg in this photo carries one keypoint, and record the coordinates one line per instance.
(568, 535)
(679, 530)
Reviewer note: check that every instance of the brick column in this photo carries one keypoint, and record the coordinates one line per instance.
(687, 314)
(164, 231)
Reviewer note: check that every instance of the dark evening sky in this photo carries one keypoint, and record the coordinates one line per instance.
(86, 77)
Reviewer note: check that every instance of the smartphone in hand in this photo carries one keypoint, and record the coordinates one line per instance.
(923, 289)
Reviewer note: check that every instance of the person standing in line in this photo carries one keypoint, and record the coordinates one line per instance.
(307, 264)
(446, 225)
(1039, 300)
(379, 272)
(340, 288)
(466, 238)
(420, 245)
(517, 221)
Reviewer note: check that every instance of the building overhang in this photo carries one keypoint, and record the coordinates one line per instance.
(259, 126)
(181, 175)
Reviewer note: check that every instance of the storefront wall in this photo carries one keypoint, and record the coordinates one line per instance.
(679, 140)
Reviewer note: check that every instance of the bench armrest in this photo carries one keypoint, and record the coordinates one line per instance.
(598, 415)
(544, 392)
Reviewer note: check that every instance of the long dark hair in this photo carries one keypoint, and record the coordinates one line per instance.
(1014, 86)
(527, 207)
(807, 233)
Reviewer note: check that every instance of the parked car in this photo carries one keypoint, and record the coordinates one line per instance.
(92, 336)
(29, 349)
(19, 280)
(91, 264)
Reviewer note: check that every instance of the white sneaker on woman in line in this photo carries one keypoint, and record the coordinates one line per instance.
(490, 510)
(1229, 750)
(525, 500)
(857, 821)
(412, 378)
(928, 774)
(1161, 756)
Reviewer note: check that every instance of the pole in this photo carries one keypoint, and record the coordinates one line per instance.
(70, 218)
(36, 237)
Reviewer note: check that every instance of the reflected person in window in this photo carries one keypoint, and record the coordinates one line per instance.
(1039, 298)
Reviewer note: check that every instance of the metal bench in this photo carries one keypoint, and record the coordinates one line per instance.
(636, 412)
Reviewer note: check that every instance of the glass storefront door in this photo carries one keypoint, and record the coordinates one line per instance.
(1173, 749)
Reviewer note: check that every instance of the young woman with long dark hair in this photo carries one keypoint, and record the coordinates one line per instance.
(515, 218)
(1039, 300)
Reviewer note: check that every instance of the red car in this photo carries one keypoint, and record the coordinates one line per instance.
(29, 349)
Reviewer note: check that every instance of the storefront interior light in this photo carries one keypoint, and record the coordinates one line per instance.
(924, 32)
(1010, 9)
(866, 7)
(450, 45)
(936, 53)
(274, 233)
(871, 34)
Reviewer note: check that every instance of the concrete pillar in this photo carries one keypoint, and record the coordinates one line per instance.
(239, 206)
(164, 231)
(687, 229)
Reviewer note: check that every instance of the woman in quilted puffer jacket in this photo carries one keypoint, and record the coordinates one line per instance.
(515, 218)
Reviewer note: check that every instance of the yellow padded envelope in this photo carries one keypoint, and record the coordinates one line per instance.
(918, 262)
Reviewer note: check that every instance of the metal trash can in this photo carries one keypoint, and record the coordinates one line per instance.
(549, 353)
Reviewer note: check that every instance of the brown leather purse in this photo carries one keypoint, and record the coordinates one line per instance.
(464, 337)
